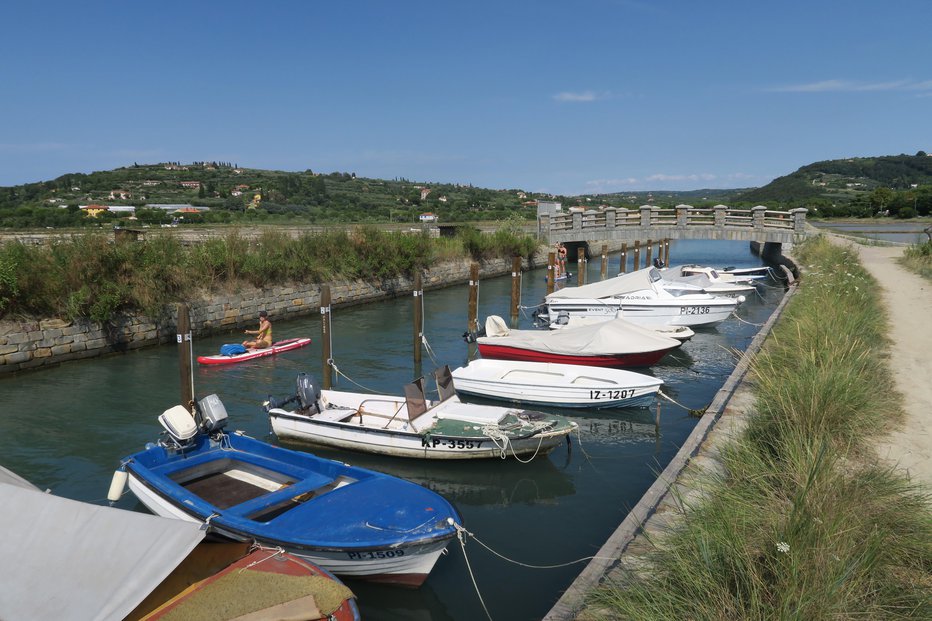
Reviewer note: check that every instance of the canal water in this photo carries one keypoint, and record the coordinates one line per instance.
(533, 525)
(897, 231)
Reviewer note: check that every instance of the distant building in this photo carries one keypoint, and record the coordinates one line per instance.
(191, 184)
(428, 217)
(424, 193)
(175, 207)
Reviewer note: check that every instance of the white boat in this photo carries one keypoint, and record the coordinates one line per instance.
(414, 426)
(718, 275)
(644, 300)
(555, 385)
(695, 278)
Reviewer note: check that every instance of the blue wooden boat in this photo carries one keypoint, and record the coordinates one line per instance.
(350, 521)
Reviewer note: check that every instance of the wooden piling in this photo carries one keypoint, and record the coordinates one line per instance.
(185, 356)
(581, 265)
(551, 272)
(515, 287)
(326, 356)
(473, 322)
(648, 253)
(657, 419)
(418, 316)
(624, 258)
(604, 270)
(666, 251)
(637, 255)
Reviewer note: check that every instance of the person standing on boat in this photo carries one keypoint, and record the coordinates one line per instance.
(263, 334)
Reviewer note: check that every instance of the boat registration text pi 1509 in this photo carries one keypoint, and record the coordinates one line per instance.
(695, 310)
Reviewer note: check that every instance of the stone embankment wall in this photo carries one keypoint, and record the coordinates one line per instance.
(43, 342)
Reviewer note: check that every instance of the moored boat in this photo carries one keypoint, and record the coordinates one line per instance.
(555, 385)
(412, 425)
(350, 521)
(613, 343)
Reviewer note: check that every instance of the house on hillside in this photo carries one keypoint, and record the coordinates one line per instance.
(191, 184)
(428, 217)
(424, 193)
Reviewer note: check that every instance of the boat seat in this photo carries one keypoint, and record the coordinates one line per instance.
(444, 380)
(416, 399)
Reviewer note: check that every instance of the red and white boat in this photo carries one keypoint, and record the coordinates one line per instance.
(612, 343)
(276, 348)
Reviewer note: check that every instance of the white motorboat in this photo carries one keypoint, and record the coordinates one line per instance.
(719, 275)
(555, 385)
(644, 300)
(413, 426)
(565, 320)
(691, 279)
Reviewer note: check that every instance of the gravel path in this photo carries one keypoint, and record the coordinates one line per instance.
(907, 298)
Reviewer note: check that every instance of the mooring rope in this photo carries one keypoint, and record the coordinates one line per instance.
(349, 379)
(459, 535)
(691, 411)
(750, 323)
(462, 531)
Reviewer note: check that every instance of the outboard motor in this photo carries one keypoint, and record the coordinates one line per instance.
(213, 413)
(563, 318)
(308, 393)
(659, 264)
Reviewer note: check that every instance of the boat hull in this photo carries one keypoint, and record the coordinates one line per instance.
(504, 352)
(470, 443)
(555, 385)
(306, 506)
(276, 348)
(647, 312)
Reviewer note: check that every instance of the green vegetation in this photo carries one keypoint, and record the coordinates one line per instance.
(917, 258)
(804, 524)
(90, 276)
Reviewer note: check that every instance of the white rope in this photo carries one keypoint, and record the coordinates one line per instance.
(459, 535)
(430, 351)
(349, 379)
(692, 411)
(735, 315)
(462, 531)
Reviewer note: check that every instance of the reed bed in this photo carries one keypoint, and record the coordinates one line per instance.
(804, 524)
(90, 276)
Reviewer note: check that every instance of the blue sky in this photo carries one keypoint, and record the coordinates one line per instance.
(546, 96)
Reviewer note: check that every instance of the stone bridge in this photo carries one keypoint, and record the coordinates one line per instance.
(758, 224)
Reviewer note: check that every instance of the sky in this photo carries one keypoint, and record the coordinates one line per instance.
(562, 97)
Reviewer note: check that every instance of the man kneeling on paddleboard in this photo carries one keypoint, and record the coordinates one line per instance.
(263, 334)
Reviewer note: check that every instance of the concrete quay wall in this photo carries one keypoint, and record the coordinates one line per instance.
(42, 342)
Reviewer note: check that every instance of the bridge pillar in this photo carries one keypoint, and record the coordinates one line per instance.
(543, 228)
(799, 219)
(577, 221)
(682, 215)
(757, 216)
(720, 211)
(610, 218)
(645, 215)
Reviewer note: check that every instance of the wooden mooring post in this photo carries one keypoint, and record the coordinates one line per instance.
(185, 356)
(551, 272)
(637, 255)
(515, 287)
(326, 356)
(418, 317)
(648, 254)
(624, 258)
(473, 320)
(666, 251)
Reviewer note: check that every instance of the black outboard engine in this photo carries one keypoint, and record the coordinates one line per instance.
(308, 393)
(659, 264)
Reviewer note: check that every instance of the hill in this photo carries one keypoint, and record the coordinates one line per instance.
(843, 180)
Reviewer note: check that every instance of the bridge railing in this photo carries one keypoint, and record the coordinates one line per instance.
(680, 217)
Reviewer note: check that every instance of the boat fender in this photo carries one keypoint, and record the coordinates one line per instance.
(741, 299)
(116, 485)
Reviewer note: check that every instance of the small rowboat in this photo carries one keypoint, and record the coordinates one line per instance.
(555, 385)
(276, 348)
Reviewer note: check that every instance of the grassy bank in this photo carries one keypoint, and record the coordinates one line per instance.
(90, 276)
(804, 524)
(918, 258)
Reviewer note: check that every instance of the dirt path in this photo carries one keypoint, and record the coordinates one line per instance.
(908, 301)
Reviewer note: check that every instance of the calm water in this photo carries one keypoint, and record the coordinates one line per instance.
(67, 428)
(909, 232)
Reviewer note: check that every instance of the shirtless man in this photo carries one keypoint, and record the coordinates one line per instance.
(263, 334)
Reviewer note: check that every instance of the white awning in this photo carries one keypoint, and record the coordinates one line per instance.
(64, 559)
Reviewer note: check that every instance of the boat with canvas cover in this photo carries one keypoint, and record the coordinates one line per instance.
(555, 385)
(707, 280)
(413, 425)
(350, 521)
(77, 560)
(565, 320)
(613, 343)
(644, 300)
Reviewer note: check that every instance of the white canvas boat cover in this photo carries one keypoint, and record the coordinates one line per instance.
(619, 285)
(64, 559)
(613, 337)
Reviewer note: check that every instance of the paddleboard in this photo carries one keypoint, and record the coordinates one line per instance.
(277, 347)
